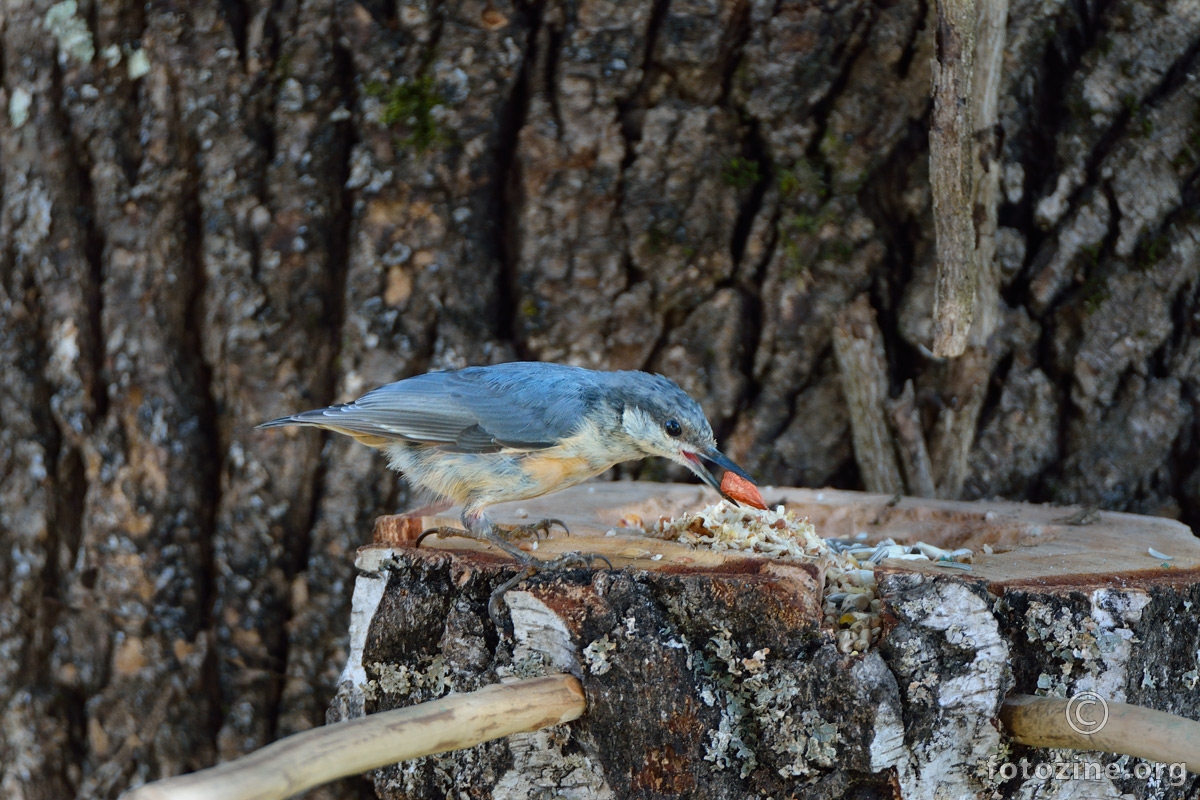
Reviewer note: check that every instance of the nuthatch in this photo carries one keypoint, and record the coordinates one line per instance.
(485, 435)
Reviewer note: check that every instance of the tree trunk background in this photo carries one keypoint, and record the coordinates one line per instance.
(218, 213)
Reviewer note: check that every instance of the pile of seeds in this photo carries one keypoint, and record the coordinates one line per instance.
(851, 600)
(875, 554)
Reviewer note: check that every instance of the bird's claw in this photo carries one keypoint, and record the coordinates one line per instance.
(440, 533)
(490, 538)
(536, 530)
(575, 559)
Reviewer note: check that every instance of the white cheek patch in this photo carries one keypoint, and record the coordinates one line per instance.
(636, 422)
(643, 429)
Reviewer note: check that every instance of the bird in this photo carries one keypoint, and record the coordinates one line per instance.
(517, 430)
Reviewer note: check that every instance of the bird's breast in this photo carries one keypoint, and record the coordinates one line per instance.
(548, 471)
(493, 477)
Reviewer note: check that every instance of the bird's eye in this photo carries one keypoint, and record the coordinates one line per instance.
(673, 428)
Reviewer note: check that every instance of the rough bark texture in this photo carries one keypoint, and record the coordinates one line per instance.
(215, 213)
(676, 705)
(719, 683)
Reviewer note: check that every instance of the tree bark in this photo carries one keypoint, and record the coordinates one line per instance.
(215, 213)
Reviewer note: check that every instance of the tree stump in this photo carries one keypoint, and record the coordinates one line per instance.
(709, 675)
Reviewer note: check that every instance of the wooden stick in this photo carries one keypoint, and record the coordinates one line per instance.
(289, 766)
(965, 387)
(910, 441)
(1130, 730)
(862, 366)
(988, 69)
(950, 176)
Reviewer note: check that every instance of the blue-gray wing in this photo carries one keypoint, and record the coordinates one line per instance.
(521, 406)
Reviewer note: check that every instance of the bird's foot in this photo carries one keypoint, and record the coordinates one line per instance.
(575, 559)
(443, 532)
(564, 561)
(486, 537)
(536, 530)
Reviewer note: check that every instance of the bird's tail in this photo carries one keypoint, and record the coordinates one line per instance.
(316, 417)
(279, 423)
(319, 419)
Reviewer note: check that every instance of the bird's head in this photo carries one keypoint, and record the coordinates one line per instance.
(662, 420)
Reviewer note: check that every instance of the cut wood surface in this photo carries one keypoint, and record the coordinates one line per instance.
(1031, 544)
(716, 675)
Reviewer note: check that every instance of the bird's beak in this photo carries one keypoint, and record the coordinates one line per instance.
(721, 460)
